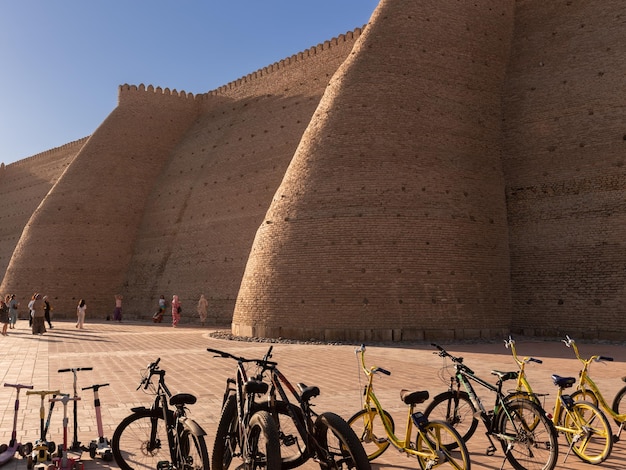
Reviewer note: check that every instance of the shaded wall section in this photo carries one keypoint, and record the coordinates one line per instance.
(564, 161)
(205, 206)
(23, 185)
(390, 223)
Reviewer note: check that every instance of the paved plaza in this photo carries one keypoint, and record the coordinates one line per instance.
(118, 352)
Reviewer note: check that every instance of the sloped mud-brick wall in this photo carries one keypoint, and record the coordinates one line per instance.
(390, 223)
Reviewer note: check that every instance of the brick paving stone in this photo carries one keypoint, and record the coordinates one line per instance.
(118, 352)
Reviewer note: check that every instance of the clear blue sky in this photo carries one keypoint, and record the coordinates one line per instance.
(63, 60)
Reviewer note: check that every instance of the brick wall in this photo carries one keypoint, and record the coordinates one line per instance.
(565, 150)
(456, 171)
(390, 222)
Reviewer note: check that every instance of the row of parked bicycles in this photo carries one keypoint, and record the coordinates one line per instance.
(269, 423)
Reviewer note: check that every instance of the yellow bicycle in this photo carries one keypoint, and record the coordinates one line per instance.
(436, 444)
(586, 428)
(588, 390)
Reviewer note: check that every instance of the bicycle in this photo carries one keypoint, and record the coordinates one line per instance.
(243, 430)
(526, 435)
(159, 437)
(589, 391)
(586, 429)
(326, 438)
(434, 443)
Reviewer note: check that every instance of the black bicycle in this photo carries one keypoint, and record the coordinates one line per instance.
(527, 436)
(244, 430)
(160, 437)
(325, 438)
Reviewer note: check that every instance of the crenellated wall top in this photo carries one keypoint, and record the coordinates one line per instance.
(44, 154)
(311, 52)
(126, 88)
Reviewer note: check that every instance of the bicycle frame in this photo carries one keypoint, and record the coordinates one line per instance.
(304, 424)
(417, 418)
(161, 402)
(563, 404)
(245, 389)
(586, 384)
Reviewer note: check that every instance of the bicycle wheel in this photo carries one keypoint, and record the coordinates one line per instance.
(456, 409)
(370, 430)
(293, 450)
(444, 440)
(193, 455)
(226, 436)
(262, 443)
(585, 395)
(591, 437)
(342, 449)
(619, 404)
(140, 441)
(528, 437)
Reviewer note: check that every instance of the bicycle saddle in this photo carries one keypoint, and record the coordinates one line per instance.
(182, 399)
(563, 382)
(414, 398)
(308, 392)
(504, 376)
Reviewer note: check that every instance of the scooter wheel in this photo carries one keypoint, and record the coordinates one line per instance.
(51, 447)
(3, 448)
(108, 456)
(92, 452)
(29, 462)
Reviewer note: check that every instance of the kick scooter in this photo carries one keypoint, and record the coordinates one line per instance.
(100, 447)
(43, 448)
(63, 461)
(76, 443)
(14, 446)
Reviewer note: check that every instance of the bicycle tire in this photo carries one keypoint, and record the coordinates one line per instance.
(619, 404)
(593, 440)
(340, 444)
(445, 440)
(528, 438)
(293, 447)
(194, 454)
(226, 437)
(131, 445)
(585, 395)
(456, 409)
(263, 446)
(366, 424)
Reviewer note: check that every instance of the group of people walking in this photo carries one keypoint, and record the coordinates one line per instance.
(177, 309)
(39, 312)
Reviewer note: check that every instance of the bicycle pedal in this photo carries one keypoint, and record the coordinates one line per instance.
(381, 440)
(490, 450)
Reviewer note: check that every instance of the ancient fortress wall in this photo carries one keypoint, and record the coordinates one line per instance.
(564, 160)
(390, 223)
(454, 170)
(200, 218)
(78, 242)
(23, 185)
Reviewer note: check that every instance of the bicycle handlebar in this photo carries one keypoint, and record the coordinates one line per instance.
(380, 369)
(75, 369)
(604, 358)
(260, 362)
(569, 342)
(458, 361)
